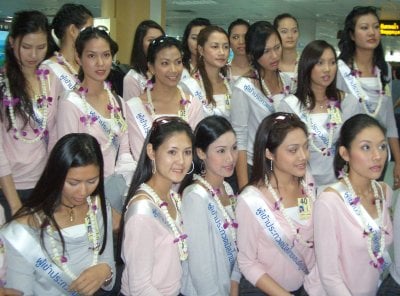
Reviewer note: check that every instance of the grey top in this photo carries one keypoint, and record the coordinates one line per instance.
(395, 267)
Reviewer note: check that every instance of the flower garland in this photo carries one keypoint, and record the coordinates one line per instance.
(280, 207)
(183, 104)
(267, 92)
(228, 93)
(92, 234)
(228, 221)
(116, 117)
(40, 102)
(180, 237)
(62, 61)
(334, 119)
(357, 73)
(377, 259)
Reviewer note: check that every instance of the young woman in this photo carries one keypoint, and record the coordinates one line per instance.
(254, 97)
(189, 44)
(210, 84)
(135, 81)
(240, 64)
(352, 227)
(317, 103)
(94, 109)
(364, 73)
(208, 212)
(165, 97)
(27, 117)
(275, 238)
(69, 20)
(288, 29)
(60, 242)
(153, 241)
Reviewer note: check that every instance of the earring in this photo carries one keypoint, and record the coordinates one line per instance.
(153, 166)
(202, 168)
(191, 171)
(346, 167)
(271, 165)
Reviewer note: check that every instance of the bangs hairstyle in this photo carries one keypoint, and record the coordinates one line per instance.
(23, 23)
(347, 45)
(309, 58)
(349, 131)
(71, 151)
(270, 134)
(138, 59)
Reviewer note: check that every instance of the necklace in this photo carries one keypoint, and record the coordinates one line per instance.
(92, 234)
(334, 119)
(377, 259)
(228, 93)
(117, 122)
(40, 106)
(71, 212)
(267, 92)
(179, 236)
(280, 207)
(183, 104)
(363, 99)
(63, 61)
(215, 193)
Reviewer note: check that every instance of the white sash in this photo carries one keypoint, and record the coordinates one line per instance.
(139, 78)
(195, 90)
(67, 79)
(254, 93)
(142, 118)
(273, 231)
(29, 248)
(356, 211)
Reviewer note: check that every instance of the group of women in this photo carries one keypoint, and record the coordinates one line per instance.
(304, 139)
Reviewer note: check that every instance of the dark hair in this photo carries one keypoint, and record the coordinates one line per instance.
(201, 41)
(159, 44)
(70, 14)
(138, 56)
(270, 134)
(282, 16)
(256, 37)
(23, 23)
(347, 45)
(71, 151)
(237, 22)
(185, 44)
(349, 131)
(91, 33)
(308, 59)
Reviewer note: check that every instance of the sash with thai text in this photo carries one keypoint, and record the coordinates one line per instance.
(67, 80)
(141, 116)
(254, 93)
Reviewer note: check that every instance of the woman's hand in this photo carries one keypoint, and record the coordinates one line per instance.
(10, 292)
(91, 279)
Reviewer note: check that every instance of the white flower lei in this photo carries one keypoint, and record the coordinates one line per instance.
(92, 234)
(41, 102)
(179, 236)
(280, 207)
(62, 61)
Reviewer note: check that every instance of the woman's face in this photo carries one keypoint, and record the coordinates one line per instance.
(237, 40)
(366, 32)
(272, 54)
(367, 154)
(80, 183)
(291, 156)
(215, 51)
(220, 157)
(173, 158)
(30, 50)
(151, 34)
(192, 40)
(324, 72)
(96, 59)
(167, 67)
(289, 32)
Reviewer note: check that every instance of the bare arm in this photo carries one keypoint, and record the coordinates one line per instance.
(10, 192)
(241, 169)
(270, 287)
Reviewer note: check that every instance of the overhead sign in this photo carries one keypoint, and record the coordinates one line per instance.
(390, 28)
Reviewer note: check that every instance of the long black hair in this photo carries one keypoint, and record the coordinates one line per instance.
(24, 23)
(347, 45)
(308, 59)
(138, 56)
(71, 151)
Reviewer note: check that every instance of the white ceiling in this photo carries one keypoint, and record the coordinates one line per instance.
(327, 15)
